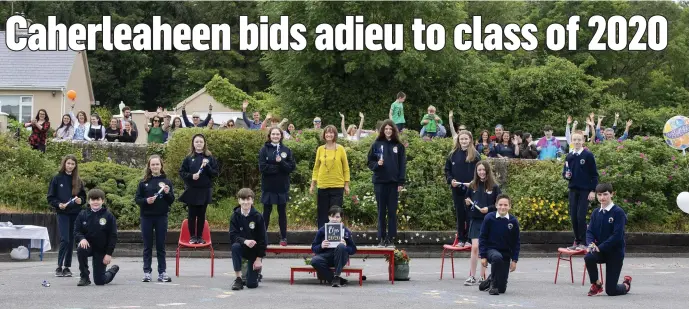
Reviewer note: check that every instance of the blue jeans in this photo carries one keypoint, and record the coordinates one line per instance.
(239, 252)
(65, 225)
(148, 225)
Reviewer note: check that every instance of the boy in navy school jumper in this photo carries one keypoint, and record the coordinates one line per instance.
(388, 161)
(581, 172)
(332, 255)
(460, 167)
(96, 231)
(66, 194)
(605, 236)
(499, 243)
(248, 238)
(153, 211)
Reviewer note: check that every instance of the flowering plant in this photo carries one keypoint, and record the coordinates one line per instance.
(401, 257)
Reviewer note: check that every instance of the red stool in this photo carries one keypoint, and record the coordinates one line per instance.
(569, 253)
(449, 251)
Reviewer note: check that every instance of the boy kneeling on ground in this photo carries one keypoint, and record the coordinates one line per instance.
(499, 243)
(95, 230)
(332, 254)
(248, 239)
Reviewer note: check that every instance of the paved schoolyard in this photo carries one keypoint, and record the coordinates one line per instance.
(658, 283)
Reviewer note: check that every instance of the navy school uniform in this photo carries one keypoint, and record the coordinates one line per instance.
(275, 181)
(154, 217)
(251, 227)
(99, 228)
(499, 243)
(60, 191)
(483, 198)
(458, 169)
(336, 257)
(197, 193)
(584, 180)
(607, 231)
(386, 179)
(506, 151)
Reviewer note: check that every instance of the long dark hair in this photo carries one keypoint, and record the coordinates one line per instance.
(76, 181)
(100, 122)
(395, 133)
(62, 123)
(45, 112)
(148, 174)
(192, 150)
(490, 178)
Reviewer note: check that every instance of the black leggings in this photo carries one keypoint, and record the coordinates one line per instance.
(197, 217)
(282, 218)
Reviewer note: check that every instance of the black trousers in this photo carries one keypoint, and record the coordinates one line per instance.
(387, 198)
(154, 225)
(65, 225)
(578, 206)
(197, 217)
(239, 252)
(500, 268)
(336, 258)
(458, 194)
(327, 198)
(613, 267)
(282, 217)
(100, 276)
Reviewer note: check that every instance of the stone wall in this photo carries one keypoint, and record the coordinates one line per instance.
(129, 154)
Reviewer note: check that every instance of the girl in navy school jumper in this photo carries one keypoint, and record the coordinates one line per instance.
(154, 207)
(605, 236)
(198, 185)
(275, 161)
(480, 198)
(581, 172)
(500, 243)
(66, 194)
(388, 161)
(459, 171)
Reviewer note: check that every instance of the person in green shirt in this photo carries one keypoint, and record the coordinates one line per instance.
(397, 111)
(155, 131)
(430, 122)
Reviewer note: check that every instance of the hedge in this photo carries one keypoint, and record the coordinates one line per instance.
(647, 176)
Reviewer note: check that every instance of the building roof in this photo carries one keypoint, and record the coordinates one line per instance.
(34, 69)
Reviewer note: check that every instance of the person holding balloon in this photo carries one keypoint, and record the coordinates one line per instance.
(154, 197)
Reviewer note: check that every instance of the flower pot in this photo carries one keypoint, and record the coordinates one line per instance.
(401, 272)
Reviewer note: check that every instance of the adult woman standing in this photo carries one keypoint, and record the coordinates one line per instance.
(198, 170)
(66, 130)
(39, 130)
(388, 161)
(275, 162)
(156, 131)
(330, 174)
(66, 194)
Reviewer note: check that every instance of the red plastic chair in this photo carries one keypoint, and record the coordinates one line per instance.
(449, 251)
(569, 254)
(183, 242)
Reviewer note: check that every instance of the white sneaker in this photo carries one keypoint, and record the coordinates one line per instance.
(470, 281)
(147, 277)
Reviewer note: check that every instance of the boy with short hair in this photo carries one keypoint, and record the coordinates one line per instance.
(499, 243)
(95, 230)
(248, 239)
(605, 236)
(548, 146)
(581, 172)
(331, 254)
(397, 111)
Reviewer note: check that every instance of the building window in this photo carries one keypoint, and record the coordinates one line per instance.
(17, 106)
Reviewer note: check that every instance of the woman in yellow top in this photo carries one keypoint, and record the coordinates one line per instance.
(330, 173)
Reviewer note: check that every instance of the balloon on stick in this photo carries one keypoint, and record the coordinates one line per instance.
(683, 201)
(72, 95)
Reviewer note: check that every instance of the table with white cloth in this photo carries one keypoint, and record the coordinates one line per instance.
(37, 234)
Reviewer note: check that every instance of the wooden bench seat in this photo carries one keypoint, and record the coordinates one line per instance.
(309, 269)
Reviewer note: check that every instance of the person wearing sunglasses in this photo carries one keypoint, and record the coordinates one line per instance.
(156, 130)
(196, 120)
(317, 123)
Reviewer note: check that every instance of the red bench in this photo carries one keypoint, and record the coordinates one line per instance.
(310, 269)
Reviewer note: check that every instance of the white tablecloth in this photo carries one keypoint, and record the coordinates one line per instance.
(35, 233)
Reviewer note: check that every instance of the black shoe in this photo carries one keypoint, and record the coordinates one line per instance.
(200, 241)
(58, 272)
(66, 272)
(113, 270)
(494, 291)
(192, 240)
(238, 284)
(485, 285)
(381, 244)
(84, 281)
(260, 277)
(386, 243)
(343, 281)
(336, 281)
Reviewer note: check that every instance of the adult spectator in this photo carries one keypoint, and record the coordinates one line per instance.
(498, 134)
(330, 174)
(112, 133)
(39, 130)
(257, 123)
(66, 130)
(317, 123)
(127, 117)
(95, 130)
(196, 119)
(548, 146)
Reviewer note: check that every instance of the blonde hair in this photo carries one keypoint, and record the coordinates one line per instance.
(472, 153)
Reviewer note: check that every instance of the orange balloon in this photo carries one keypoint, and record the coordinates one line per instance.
(71, 94)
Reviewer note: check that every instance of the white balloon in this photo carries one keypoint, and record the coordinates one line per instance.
(683, 201)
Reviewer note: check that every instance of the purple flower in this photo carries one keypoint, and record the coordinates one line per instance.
(620, 147)
(673, 159)
(669, 177)
(296, 139)
(626, 201)
(642, 155)
(602, 172)
(675, 166)
(646, 138)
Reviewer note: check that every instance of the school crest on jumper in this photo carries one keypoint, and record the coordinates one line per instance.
(510, 226)
(102, 221)
(252, 225)
(582, 161)
(611, 220)
(61, 185)
(283, 155)
(394, 149)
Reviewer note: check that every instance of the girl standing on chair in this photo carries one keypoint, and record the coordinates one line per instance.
(66, 194)
(198, 170)
(480, 198)
(154, 197)
(459, 171)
